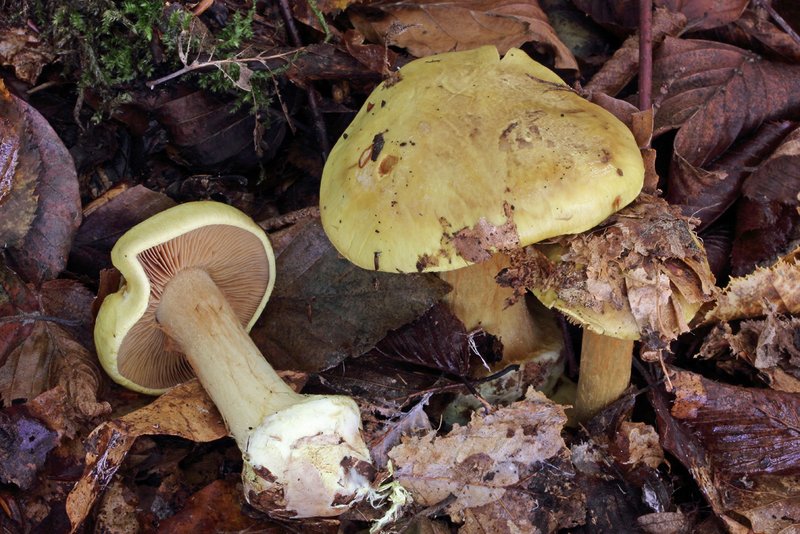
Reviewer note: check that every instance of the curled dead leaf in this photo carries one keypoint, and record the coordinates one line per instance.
(184, 411)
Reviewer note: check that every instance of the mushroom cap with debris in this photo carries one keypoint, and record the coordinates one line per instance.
(464, 154)
(227, 244)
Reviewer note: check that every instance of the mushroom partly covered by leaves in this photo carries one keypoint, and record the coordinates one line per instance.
(196, 278)
(465, 155)
(641, 275)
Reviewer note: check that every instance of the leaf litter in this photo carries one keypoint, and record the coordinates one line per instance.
(722, 423)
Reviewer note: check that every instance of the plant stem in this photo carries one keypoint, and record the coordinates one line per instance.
(605, 373)
(244, 387)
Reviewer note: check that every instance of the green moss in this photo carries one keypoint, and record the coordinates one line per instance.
(107, 45)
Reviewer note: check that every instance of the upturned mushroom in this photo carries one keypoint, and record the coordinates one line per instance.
(464, 155)
(195, 279)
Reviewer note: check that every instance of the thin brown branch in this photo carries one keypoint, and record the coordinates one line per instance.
(645, 54)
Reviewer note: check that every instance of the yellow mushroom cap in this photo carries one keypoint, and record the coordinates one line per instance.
(215, 237)
(464, 154)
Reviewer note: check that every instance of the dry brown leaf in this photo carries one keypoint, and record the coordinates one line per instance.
(773, 289)
(22, 49)
(491, 459)
(768, 345)
(184, 411)
(430, 27)
(641, 271)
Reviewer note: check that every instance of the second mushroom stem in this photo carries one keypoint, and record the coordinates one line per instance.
(605, 372)
(244, 387)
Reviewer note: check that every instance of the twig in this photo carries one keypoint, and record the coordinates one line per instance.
(217, 63)
(645, 54)
(778, 19)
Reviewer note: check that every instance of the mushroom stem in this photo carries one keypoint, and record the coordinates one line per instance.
(480, 302)
(303, 454)
(605, 372)
(245, 388)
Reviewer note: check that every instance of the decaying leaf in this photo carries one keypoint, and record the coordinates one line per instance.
(741, 446)
(773, 289)
(19, 169)
(106, 219)
(428, 27)
(40, 357)
(767, 215)
(48, 178)
(641, 272)
(769, 345)
(715, 93)
(324, 309)
(494, 458)
(184, 411)
(24, 444)
(744, 431)
(22, 49)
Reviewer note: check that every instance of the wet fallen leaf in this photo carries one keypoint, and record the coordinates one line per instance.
(184, 411)
(324, 309)
(429, 27)
(767, 215)
(211, 133)
(773, 289)
(616, 73)
(19, 165)
(24, 444)
(744, 431)
(44, 222)
(437, 340)
(711, 194)
(715, 93)
(756, 31)
(740, 445)
(107, 219)
(494, 458)
(216, 507)
(705, 14)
